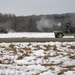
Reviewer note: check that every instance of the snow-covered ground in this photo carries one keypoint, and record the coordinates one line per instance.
(69, 36)
(27, 35)
(30, 35)
(32, 58)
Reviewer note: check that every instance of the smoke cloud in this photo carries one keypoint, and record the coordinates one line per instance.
(45, 23)
(6, 25)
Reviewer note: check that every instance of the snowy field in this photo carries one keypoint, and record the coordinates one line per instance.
(27, 35)
(47, 58)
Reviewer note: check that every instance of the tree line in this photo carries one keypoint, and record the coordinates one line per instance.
(37, 23)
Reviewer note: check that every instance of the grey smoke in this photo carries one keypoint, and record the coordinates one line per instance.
(44, 23)
(6, 25)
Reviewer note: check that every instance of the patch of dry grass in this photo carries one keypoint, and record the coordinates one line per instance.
(27, 53)
(63, 45)
(70, 66)
(20, 57)
(37, 47)
(66, 68)
(71, 47)
(45, 57)
(47, 47)
(62, 71)
(0, 61)
(2, 46)
(21, 51)
(51, 64)
(7, 61)
(11, 46)
(51, 68)
(26, 49)
(72, 57)
(54, 47)
(29, 44)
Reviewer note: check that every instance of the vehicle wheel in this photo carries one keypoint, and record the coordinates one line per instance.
(60, 35)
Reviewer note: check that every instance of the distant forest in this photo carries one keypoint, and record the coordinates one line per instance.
(37, 23)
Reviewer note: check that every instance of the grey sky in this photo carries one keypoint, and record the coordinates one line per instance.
(36, 7)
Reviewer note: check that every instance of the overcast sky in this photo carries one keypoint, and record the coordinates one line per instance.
(36, 7)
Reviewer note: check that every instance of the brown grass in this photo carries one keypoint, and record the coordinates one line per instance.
(0, 61)
(52, 64)
(29, 44)
(20, 57)
(11, 46)
(45, 57)
(37, 47)
(72, 57)
(14, 51)
(47, 47)
(51, 68)
(63, 46)
(2, 46)
(8, 61)
(67, 68)
(27, 48)
(21, 51)
(70, 66)
(54, 47)
(62, 71)
(27, 53)
(71, 47)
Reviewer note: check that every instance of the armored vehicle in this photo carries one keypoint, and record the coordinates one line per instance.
(69, 31)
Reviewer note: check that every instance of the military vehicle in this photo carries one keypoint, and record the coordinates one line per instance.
(69, 31)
